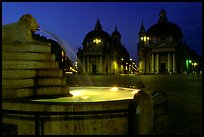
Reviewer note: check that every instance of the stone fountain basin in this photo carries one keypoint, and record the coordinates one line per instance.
(91, 111)
(95, 94)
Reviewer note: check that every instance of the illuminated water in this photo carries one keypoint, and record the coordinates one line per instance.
(95, 94)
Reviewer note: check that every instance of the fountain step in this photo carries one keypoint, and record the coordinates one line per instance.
(29, 65)
(19, 74)
(26, 48)
(50, 73)
(26, 92)
(30, 69)
(39, 82)
(51, 82)
(52, 90)
(27, 56)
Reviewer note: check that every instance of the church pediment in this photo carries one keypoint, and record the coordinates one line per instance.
(163, 44)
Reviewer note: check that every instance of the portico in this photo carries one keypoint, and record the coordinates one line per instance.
(162, 65)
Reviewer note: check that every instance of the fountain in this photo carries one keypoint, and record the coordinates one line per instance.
(36, 100)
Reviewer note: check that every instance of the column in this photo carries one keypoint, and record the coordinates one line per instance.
(174, 63)
(157, 69)
(100, 64)
(140, 67)
(83, 65)
(88, 65)
(152, 62)
(168, 62)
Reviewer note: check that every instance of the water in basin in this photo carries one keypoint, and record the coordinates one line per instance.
(95, 94)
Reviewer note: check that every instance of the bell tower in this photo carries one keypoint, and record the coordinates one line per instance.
(116, 37)
(142, 34)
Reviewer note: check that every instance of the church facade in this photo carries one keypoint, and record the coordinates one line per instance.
(161, 48)
(102, 53)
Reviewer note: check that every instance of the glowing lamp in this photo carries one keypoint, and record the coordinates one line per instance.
(97, 41)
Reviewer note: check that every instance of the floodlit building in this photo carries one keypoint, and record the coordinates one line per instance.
(161, 48)
(102, 53)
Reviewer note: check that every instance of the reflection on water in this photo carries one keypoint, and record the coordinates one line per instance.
(95, 94)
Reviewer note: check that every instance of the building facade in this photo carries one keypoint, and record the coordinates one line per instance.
(102, 53)
(161, 48)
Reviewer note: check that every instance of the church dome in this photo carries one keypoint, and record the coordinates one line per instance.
(163, 27)
(97, 33)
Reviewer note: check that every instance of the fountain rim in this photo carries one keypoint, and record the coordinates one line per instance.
(30, 100)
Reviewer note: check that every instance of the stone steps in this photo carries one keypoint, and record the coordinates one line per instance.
(37, 82)
(28, 92)
(31, 70)
(10, 64)
(28, 48)
(17, 56)
(41, 73)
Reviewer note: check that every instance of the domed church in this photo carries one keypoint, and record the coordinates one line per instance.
(161, 48)
(102, 53)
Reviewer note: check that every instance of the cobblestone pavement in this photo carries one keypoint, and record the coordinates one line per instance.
(184, 96)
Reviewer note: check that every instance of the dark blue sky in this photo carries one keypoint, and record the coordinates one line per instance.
(71, 21)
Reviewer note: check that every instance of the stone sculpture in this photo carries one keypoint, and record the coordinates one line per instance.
(20, 31)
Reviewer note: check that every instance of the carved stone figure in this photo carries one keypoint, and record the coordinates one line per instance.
(20, 31)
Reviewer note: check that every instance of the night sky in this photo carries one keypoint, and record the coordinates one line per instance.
(71, 21)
